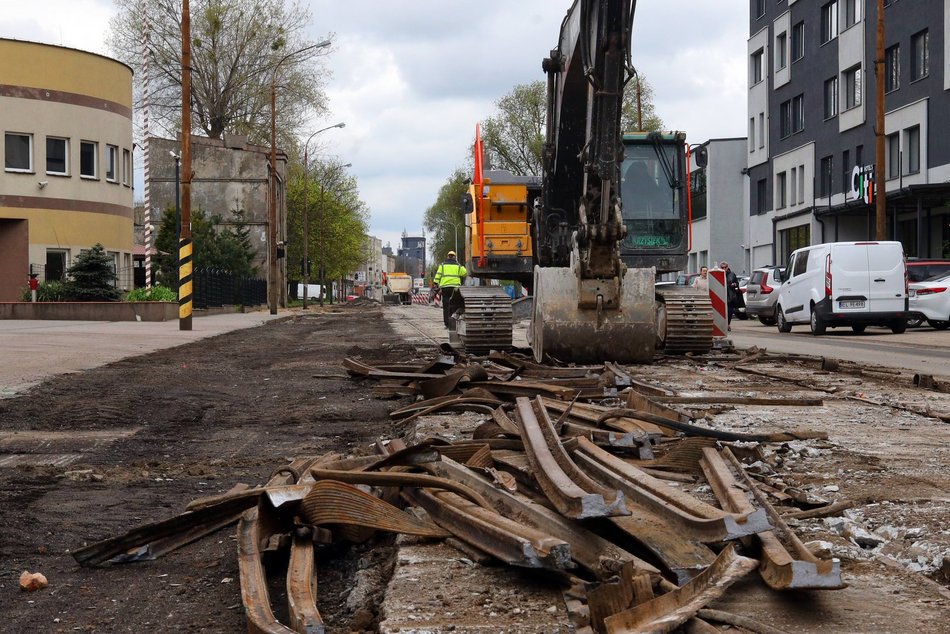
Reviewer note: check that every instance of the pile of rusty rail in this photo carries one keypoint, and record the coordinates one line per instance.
(580, 471)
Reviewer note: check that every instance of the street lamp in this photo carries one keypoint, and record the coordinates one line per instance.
(272, 209)
(455, 229)
(306, 211)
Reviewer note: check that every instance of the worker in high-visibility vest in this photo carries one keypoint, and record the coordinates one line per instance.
(449, 277)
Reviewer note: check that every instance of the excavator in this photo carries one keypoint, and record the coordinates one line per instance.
(610, 213)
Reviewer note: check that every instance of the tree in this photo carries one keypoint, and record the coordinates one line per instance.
(514, 137)
(338, 222)
(92, 277)
(634, 112)
(214, 248)
(236, 46)
(445, 218)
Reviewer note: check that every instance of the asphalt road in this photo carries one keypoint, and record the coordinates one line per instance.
(922, 350)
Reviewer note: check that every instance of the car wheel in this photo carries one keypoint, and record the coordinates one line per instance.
(783, 326)
(766, 321)
(938, 325)
(817, 324)
(899, 326)
(858, 328)
(914, 322)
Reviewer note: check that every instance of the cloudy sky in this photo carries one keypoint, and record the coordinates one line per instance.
(410, 78)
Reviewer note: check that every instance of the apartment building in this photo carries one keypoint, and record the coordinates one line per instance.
(811, 112)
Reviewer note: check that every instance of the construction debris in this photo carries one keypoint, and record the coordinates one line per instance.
(586, 472)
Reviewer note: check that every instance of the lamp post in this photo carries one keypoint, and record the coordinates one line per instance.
(455, 229)
(272, 207)
(306, 211)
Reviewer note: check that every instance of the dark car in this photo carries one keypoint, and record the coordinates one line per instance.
(920, 269)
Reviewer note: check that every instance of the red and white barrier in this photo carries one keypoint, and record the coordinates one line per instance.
(717, 295)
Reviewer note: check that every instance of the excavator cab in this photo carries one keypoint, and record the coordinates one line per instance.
(654, 204)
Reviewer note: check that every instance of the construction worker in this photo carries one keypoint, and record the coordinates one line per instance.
(449, 277)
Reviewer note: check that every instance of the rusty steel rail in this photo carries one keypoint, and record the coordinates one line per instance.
(698, 520)
(397, 479)
(635, 441)
(571, 491)
(670, 610)
(511, 542)
(683, 557)
(781, 569)
(595, 553)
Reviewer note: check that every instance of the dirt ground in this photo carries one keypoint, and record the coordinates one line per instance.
(91, 455)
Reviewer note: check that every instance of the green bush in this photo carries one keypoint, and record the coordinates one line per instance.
(154, 294)
(92, 277)
(52, 291)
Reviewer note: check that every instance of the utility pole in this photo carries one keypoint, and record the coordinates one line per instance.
(185, 252)
(880, 181)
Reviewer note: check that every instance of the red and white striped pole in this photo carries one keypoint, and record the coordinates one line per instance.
(718, 297)
(147, 220)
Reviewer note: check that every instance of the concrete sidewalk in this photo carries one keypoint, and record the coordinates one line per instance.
(32, 351)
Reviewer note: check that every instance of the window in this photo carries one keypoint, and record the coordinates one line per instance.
(780, 181)
(852, 87)
(112, 163)
(57, 156)
(752, 134)
(792, 239)
(18, 152)
(893, 156)
(829, 21)
(892, 68)
(781, 51)
(912, 149)
(798, 41)
(56, 264)
(852, 12)
(761, 196)
(785, 119)
(826, 176)
(796, 112)
(761, 130)
(126, 167)
(831, 97)
(919, 56)
(759, 8)
(756, 67)
(87, 159)
(801, 184)
(793, 186)
(859, 155)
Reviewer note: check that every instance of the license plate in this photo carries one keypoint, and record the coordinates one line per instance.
(851, 304)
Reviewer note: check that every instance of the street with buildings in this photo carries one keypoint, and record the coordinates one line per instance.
(316, 452)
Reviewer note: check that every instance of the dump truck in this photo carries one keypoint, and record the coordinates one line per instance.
(399, 288)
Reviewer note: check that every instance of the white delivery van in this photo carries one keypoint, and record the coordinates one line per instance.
(854, 284)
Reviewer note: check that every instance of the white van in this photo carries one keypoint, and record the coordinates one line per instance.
(854, 284)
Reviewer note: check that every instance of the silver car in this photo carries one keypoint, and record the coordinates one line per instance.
(762, 292)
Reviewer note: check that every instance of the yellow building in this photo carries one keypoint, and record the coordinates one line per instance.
(66, 185)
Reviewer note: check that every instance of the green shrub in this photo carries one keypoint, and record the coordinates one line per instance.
(92, 277)
(52, 291)
(155, 294)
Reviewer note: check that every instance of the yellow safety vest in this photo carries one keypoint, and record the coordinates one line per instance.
(450, 274)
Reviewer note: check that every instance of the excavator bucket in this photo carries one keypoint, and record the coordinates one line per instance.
(564, 331)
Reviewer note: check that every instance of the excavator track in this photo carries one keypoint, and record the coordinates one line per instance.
(485, 323)
(684, 320)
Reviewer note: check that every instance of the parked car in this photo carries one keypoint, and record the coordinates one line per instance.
(930, 300)
(762, 293)
(919, 270)
(854, 284)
